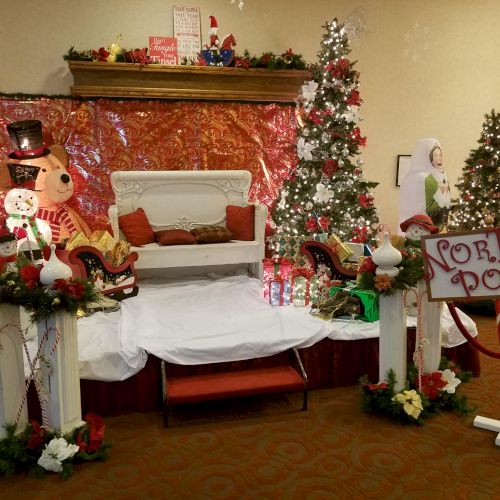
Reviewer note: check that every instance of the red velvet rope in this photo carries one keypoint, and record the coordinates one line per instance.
(467, 335)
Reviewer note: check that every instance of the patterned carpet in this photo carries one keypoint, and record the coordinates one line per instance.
(265, 448)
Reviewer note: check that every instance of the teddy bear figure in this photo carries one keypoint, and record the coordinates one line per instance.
(53, 185)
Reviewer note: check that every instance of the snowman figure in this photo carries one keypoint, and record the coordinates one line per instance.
(417, 226)
(21, 205)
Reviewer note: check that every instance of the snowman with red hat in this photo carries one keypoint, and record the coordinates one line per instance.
(213, 34)
(8, 248)
(417, 226)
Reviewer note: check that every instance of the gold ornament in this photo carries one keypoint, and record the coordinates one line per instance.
(56, 301)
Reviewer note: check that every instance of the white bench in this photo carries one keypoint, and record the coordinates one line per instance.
(174, 199)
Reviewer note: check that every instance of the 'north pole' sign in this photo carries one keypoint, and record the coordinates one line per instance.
(462, 265)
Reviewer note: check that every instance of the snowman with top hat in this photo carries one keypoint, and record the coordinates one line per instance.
(21, 202)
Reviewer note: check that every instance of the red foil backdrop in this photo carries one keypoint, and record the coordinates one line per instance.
(105, 135)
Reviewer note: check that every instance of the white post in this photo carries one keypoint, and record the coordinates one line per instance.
(392, 341)
(61, 377)
(12, 381)
(431, 330)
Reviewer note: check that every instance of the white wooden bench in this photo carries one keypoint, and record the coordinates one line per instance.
(174, 199)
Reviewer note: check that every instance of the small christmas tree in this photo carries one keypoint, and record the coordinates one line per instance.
(327, 193)
(479, 186)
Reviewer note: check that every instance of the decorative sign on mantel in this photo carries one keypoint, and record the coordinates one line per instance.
(163, 49)
(462, 265)
(187, 30)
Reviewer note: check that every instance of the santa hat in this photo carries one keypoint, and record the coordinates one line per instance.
(23, 176)
(26, 137)
(421, 220)
(213, 22)
(5, 234)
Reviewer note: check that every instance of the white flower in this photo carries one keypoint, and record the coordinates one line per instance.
(351, 115)
(309, 90)
(304, 149)
(282, 201)
(55, 453)
(451, 379)
(411, 401)
(323, 194)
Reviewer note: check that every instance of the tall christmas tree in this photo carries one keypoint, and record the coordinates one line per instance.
(479, 187)
(328, 193)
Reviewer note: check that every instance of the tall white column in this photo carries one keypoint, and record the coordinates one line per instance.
(431, 330)
(61, 378)
(12, 381)
(392, 341)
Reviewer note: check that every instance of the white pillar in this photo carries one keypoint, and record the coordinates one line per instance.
(392, 341)
(61, 379)
(12, 381)
(431, 330)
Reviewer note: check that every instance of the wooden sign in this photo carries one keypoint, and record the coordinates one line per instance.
(462, 265)
(187, 30)
(163, 50)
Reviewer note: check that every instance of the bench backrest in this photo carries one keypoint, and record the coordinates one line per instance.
(181, 199)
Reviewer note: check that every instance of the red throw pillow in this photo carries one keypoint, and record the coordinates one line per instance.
(136, 228)
(240, 221)
(175, 237)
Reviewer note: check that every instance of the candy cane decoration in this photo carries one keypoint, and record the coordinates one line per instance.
(419, 351)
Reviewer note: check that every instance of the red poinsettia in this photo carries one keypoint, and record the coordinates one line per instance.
(141, 56)
(356, 135)
(242, 62)
(330, 167)
(354, 98)
(367, 266)
(30, 274)
(100, 55)
(312, 224)
(37, 437)
(365, 200)
(432, 383)
(90, 439)
(361, 235)
(339, 68)
(71, 287)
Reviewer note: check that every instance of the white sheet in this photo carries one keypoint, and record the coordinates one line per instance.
(209, 320)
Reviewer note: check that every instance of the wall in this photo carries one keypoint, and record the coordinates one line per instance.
(428, 69)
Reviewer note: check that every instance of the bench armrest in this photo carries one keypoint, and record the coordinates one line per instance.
(113, 219)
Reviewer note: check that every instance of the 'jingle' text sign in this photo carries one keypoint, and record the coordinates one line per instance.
(462, 265)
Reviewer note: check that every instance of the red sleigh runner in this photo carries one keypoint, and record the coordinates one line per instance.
(117, 282)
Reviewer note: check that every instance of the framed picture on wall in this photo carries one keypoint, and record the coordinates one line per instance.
(403, 167)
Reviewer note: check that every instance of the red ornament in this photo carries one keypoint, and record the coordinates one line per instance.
(324, 222)
(315, 116)
(312, 224)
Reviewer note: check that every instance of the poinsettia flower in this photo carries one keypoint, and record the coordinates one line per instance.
(30, 274)
(55, 453)
(411, 401)
(367, 266)
(96, 428)
(432, 383)
(100, 55)
(323, 194)
(452, 381)
(365, 200)
(37, 435)
(71, 287)
(354, 99)
(304, 149)
(309, 90)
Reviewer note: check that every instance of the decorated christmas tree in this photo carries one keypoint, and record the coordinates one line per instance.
(479, 186)
(328, 193)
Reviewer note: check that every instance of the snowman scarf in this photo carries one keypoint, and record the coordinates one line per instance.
(40, 241)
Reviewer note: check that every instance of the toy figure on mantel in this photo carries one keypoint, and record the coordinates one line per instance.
(8, 248)
(53, 184)
(217, 53)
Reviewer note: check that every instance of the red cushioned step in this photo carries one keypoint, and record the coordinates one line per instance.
(233, 384)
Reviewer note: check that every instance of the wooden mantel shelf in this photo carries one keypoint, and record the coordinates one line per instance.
(184, 82)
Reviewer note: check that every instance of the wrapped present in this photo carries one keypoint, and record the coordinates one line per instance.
(357, 250)
(78, 239)
(274, 267)
(120, 252)
(289, 249)
(301, 286)
(341, 249)
(369, 302)
(279, 291)
(102, 241)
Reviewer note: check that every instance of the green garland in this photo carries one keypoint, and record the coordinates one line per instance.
(41, 301)
(380, 399)
(411, 270)
(20, 451)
